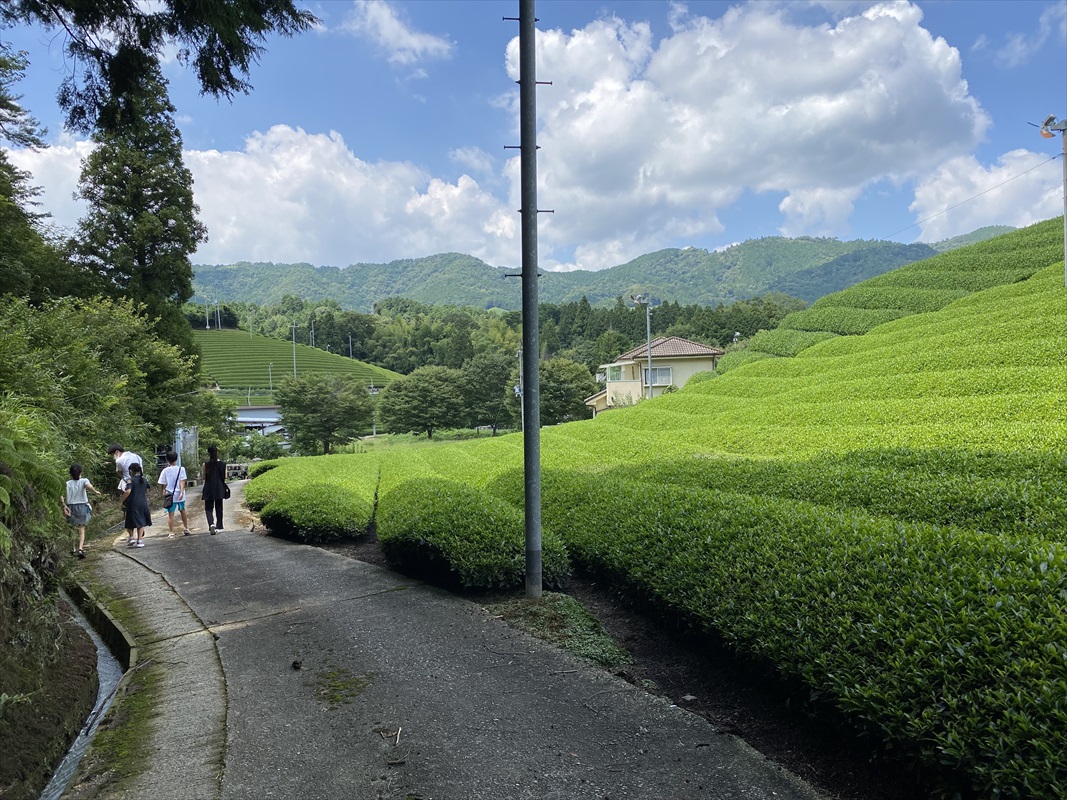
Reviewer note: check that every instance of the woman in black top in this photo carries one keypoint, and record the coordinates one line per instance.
(214, 489)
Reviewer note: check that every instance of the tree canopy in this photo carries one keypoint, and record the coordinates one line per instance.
(320, 411)
(141, 225)
(428, 399)
(114, 46)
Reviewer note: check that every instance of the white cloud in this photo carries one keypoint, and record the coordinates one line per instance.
(1020, 189)
(1021, 48)
(643, 143)
(475, 159)
(292, 196)
(55, 170)
(379, 22)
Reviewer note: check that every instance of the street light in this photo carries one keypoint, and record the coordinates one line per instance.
(646, 301)
(1047, 129)
(293, 326)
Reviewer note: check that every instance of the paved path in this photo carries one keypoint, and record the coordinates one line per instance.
(293, 672)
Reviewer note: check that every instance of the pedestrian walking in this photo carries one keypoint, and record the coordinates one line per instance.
(172, 478)
(76, 506)
(215, 489)
(123, 460)
(138, 517)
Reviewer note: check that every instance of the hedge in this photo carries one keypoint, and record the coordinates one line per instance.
(455, 534)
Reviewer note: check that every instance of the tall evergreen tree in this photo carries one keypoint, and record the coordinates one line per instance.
(142, 226)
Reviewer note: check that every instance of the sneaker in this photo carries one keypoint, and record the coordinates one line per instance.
(170, 535)
(212, 529)
(219, 528)
(187, 532)
(131, 542)
(140, 544)
(81, 554)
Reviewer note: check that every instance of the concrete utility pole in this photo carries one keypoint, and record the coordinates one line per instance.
(531, 344)
(1047, 129)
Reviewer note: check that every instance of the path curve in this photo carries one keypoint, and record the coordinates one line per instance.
(290, 671)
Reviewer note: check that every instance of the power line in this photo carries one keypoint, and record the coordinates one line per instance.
(969, 199)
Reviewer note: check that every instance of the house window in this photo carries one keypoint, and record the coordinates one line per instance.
(614, 373)
(661, 376)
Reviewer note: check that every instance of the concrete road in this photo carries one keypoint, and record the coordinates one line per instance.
(292, 672)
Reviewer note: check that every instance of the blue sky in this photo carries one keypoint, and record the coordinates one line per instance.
(381, 135)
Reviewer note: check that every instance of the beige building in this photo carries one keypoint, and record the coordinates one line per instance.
(674, 361)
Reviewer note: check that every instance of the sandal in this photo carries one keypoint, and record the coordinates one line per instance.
(187, 532)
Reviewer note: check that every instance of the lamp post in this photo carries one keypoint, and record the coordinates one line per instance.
(646, 300)
(293, 326)
(1047, 129)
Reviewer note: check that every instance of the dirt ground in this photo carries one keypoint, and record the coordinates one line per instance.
(732, 693)
(35, 736)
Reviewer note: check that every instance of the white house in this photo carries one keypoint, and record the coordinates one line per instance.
(674, 361)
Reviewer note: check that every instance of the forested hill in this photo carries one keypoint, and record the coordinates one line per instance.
(804, 267)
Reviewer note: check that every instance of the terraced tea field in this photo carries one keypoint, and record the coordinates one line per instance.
(235, 360)
(873, 499)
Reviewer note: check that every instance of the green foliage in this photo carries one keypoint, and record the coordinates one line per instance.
(486, 386)
(563, 385)
(141, 224)
(320, 410)
(842, 321)
(314, 499)
(689, 276)
(96, 371)
(30, 546)
(427, 399)
(784, 342)
(736, 358)
(453, 533)
(238, 360)
(115, 45)
(881, 516)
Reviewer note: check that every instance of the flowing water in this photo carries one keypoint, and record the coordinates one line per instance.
(110, 672)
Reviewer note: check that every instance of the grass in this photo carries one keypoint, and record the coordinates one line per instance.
(563, 621)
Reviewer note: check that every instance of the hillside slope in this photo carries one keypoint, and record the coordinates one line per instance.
(882, 517)
(687, 276)
(235, 360)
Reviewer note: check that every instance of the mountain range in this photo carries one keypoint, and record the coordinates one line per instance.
(804, 267)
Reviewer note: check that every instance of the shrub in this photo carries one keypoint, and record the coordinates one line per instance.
(318, 512)
(454, 534)
(945, 644)
(786, 343)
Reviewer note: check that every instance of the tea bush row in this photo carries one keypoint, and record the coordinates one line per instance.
(842, 321)
(786, 343)
(944, 643)
(455, 534)
(1014, 494)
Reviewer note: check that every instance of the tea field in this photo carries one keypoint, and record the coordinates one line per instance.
(872, 499)
(236, 360)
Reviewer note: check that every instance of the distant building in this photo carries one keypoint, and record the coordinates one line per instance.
(674, 361)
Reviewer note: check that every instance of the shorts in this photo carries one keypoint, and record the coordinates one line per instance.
(79, 514)
(179, 506)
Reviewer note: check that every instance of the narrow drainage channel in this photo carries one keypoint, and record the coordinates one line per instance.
(110, 672)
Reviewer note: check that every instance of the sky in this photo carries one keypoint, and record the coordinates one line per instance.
(383, 133)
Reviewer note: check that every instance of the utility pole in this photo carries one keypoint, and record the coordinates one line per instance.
(531, 345)
(349, 344)
(1047, 129)
(646, 300)
(293, 326)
